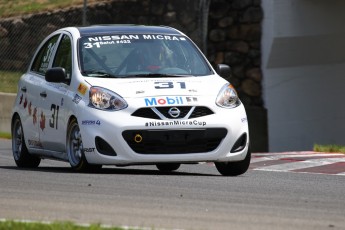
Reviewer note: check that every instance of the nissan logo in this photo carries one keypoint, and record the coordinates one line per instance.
(174, 112)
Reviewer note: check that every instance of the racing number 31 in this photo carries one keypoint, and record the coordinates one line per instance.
(169, 85)
(53, 122)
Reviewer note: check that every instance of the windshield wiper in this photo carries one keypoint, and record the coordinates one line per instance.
(98, 74)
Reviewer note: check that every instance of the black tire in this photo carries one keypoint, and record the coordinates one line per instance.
(168, 167)
(75, 150)
(234, 168)
(21, 155)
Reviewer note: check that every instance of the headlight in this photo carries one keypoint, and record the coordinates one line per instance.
(104, 99)
(227, 97)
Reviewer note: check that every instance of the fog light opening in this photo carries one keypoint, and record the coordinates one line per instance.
(240, 144)
(104, 148)
(138, 138)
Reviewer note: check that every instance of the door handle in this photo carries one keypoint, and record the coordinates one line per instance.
(43, 94)
(23, 89)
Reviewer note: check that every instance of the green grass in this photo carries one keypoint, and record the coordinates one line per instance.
(329, 148)
(9, 8)
(5, 135)
(15, 225)
(9, 81)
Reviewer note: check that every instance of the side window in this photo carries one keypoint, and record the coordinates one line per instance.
(63, 57)
(42, 59)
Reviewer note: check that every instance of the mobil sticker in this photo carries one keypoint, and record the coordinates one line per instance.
(178, 100)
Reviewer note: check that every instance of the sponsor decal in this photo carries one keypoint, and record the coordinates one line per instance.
(34, 79)
(43, 121)
(99, 41)
(191, 99)
(164, 101)
(58, 87)
(108, 38)
(90, 122)
(34, 143)
(25, 103)
(113, 37)
(34, 116)
(176, 123)
(163, 37)
(21, 99)
(46, 58)
(89, 150)
(82, 88)
(76, 99)
(179, 100)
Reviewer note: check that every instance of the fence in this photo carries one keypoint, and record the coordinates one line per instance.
(20, 36)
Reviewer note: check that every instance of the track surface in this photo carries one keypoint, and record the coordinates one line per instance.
(268, 196)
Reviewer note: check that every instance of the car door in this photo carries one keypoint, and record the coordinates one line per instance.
(53, 96)
(30, 93)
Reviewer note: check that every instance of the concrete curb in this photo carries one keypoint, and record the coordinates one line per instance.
(6, 104)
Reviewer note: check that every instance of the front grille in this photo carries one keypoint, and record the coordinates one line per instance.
(145, 113)
(174, 141)
(159, 113)
(200, 111)
(183, 111)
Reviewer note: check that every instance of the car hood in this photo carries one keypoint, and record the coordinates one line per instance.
(146, 87)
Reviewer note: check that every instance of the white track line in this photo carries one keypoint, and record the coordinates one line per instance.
(282, 156)
(301, 164)
(287, 153)
(294, 154)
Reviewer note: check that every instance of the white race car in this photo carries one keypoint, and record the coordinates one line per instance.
(127, 95)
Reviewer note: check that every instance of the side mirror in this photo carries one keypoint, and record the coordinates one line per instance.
(56, 74)
(223, 70)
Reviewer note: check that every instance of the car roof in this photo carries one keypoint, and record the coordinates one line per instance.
(107, 29)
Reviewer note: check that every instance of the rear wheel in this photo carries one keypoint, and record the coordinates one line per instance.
(21, 155)
(75, 150)
(168, 167)
(234, 168)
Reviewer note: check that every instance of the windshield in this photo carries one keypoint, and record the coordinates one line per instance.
(136, 55)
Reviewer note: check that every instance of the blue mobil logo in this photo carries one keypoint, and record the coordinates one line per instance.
(178, 100)
(153, 101)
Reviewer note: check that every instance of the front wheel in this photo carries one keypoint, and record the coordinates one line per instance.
(234, 168)
(21, 155)
(75, 150)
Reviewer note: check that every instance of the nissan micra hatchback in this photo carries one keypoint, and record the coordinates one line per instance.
(127, 95)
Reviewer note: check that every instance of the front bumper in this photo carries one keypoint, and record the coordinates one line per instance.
(181, 141)
(136, 140)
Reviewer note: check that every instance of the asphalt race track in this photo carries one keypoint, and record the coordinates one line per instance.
(280, 191)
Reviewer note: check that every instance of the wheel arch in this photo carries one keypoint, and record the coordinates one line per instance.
(71, 118)
(20, 152)
(13, 116)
